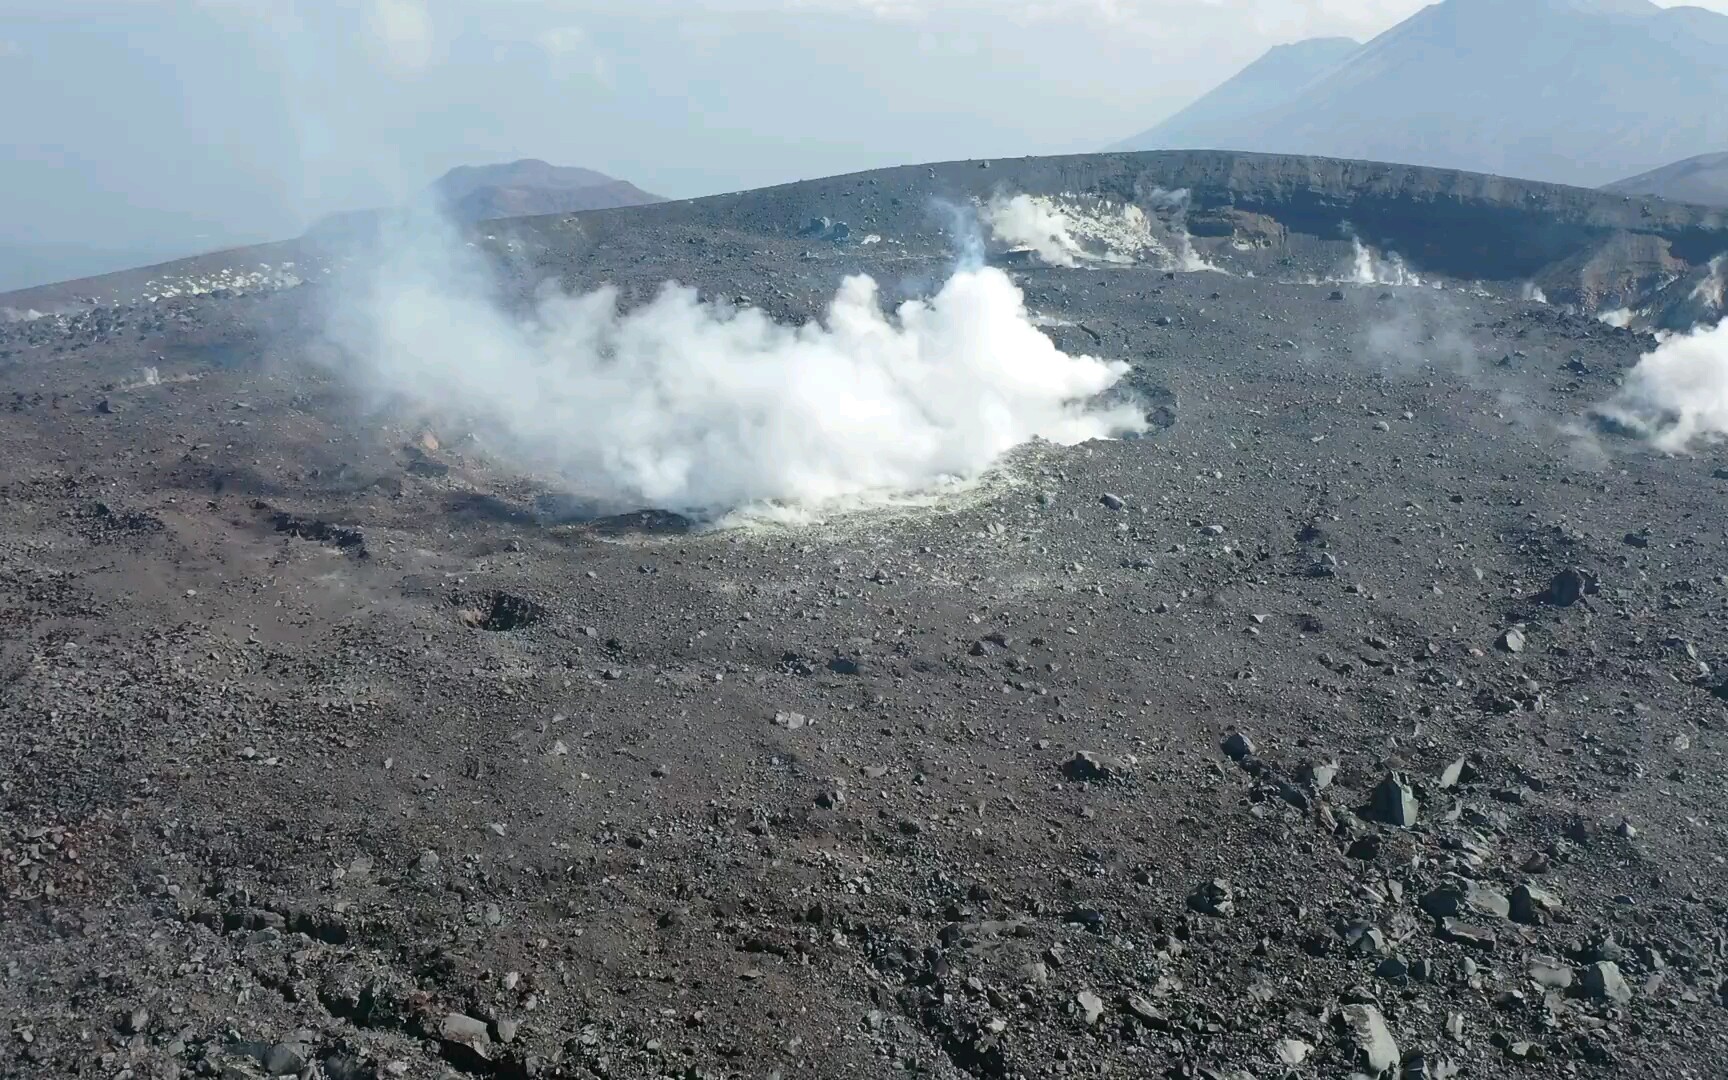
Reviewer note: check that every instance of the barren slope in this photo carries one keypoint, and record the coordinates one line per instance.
(335, 743)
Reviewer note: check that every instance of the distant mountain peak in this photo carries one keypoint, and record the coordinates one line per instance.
(1317, 44)
(1583, 7)
(462, 181)
(1702, 180)
(525, 187)
(1275, 76)
(1571, 91)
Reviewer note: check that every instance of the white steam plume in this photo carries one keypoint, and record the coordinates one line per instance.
(1368, 269)
(1710, 290)
(1188, 259)
(1072, 230)
(704, 408)
(1677, 396)
(1039, 224)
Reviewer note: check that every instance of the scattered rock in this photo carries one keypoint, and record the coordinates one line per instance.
(286, 1058)
(1394, 802)
(464, 1030)
(1418, 1066)
(1091, 1006)
(1532, 904)
(1467, 934)
(1366, 847)
(1317, 774)
(1466, 898)
(1291, 1052)
(1089, 767)
(1237, 746)
(1550, 974)
(1512, 640)
(1603, 981)
(1569, 586)
(1112, 502)
(1365, 939)
(1148, 1013)
(1451, 775)
(1377, 1051)
(1215, 897)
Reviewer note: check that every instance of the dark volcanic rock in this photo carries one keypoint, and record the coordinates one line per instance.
(1603, 980)
(1569, 586)
(1086, 765)
(1215, 897)
(1468, 934)
(644, 793)
(1376, 1049)
(1394, 802)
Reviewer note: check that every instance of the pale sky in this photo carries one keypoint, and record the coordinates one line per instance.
(141, 122)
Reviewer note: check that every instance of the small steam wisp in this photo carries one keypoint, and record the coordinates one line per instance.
(1710, 290)
(705, 408)
(1367, 268)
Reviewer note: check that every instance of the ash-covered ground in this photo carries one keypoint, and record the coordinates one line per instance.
(1364, 715)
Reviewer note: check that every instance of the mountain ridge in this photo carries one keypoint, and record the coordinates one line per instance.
(1276, 74)
(522, 188)
(530, 186)
(1579, 92)
(1702, 179)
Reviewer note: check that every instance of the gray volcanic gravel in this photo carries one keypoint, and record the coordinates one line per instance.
(1365, 717)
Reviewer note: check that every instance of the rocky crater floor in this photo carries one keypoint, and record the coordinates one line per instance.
(1365, 717)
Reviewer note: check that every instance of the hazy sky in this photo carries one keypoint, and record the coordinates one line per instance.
(140, 122)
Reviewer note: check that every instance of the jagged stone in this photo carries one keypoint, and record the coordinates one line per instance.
(1376, 1049)
(1603, 981)
(1394, 802)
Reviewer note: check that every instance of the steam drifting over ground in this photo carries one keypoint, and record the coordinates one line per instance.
(1677, 396)
(704, 408)
(1072, 231)
(1037, 223)
(1371, 269)
(1710, 290)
